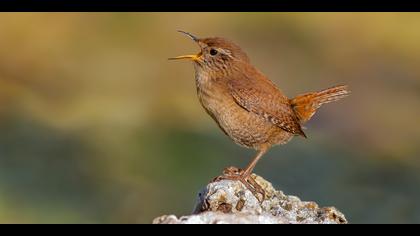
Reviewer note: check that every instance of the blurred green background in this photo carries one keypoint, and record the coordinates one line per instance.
(96, 126)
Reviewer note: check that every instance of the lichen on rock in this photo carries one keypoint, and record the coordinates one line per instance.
(228, 201)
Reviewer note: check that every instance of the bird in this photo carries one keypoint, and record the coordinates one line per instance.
(246, 105)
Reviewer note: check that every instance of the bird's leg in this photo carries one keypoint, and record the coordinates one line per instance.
(253, 163)
(246, 175)
(233, 173)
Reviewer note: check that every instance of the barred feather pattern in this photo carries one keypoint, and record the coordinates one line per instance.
(305, 105)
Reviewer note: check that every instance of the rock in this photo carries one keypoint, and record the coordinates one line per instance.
(211, 217)
(230, 202)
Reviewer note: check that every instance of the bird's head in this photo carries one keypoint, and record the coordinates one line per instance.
(216, 54)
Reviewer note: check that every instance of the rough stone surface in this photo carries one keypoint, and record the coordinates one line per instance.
(230, 202)
(221, 218)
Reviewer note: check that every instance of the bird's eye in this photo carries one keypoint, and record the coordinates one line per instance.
(213, 52)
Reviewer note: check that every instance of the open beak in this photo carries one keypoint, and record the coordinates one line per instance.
(189, 57)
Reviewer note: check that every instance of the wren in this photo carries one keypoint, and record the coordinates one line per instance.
(246, 105)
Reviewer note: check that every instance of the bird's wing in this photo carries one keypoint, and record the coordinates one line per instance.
(259, 95)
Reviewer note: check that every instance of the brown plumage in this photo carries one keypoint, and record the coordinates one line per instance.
(305, 105)
(246, 105)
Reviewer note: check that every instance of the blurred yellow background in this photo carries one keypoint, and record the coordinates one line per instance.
(96, 126)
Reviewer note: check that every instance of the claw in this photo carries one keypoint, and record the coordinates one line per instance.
(234, 173)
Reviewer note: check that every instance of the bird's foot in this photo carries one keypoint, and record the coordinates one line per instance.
(236, 174)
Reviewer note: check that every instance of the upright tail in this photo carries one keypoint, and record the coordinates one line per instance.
(306, 104)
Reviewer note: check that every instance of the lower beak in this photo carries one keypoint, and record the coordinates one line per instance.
(190, 57)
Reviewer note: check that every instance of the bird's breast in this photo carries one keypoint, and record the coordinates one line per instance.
(212, 95)
(245, 128)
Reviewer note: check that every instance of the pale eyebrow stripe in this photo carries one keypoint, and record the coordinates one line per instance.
(226, 52)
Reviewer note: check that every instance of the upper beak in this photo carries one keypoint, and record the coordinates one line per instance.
(191, 57)
(189, 35)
